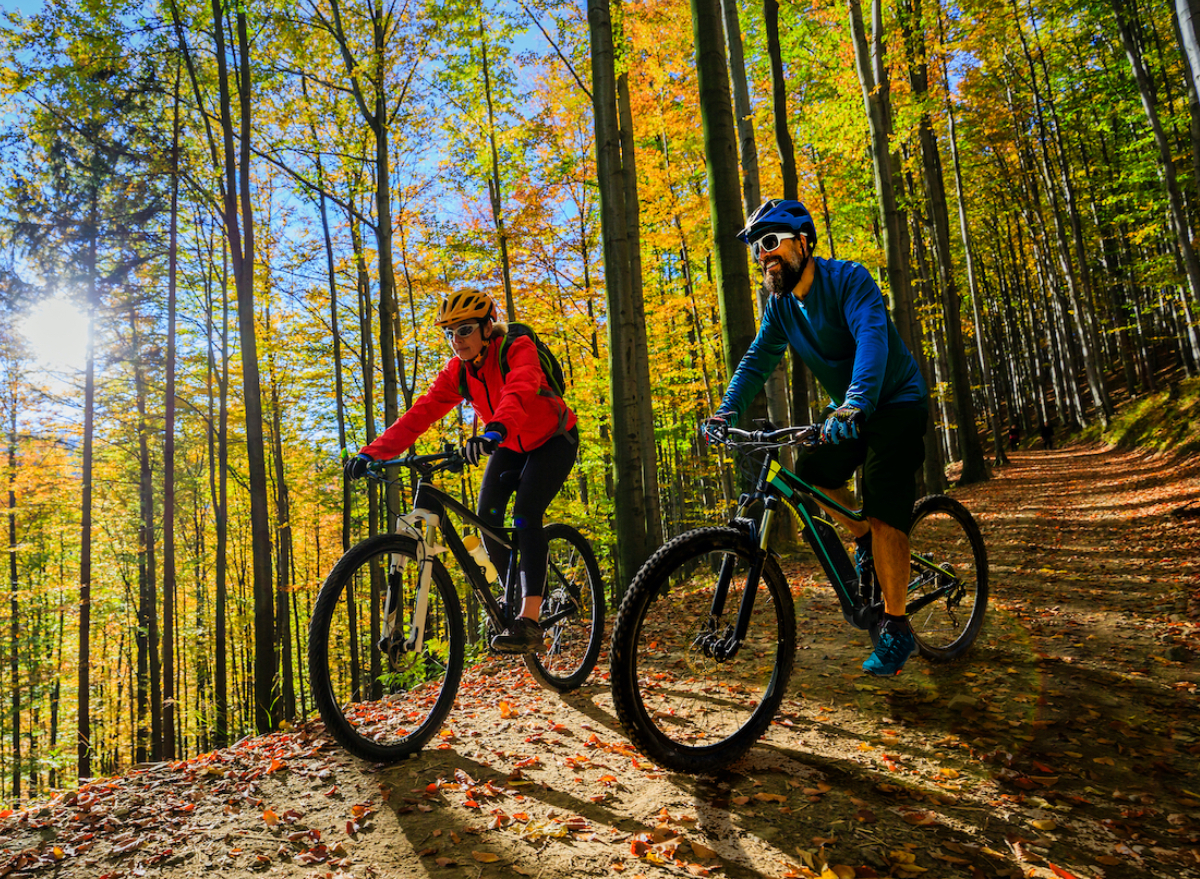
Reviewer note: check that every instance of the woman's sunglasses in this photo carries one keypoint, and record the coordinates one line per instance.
(462, 330)
(769, 242)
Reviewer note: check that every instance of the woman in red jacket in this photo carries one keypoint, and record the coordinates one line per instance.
(527, 428)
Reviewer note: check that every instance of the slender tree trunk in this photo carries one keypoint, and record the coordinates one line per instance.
(149, 695)
(641, 364)
(1188, 14)
(1183, 237)
(168, 640)
(283, 543)
(876, 89)
(776, 387)
(239, 227)
(974, 468)
(494, 190)
(13, 583)
(83, 697)
(731, 273)
(632, 526)
(783, 136)
(331, 271)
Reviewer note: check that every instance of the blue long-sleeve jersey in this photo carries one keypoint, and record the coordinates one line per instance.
(843, 333)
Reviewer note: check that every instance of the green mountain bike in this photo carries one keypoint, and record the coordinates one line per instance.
(705, 639)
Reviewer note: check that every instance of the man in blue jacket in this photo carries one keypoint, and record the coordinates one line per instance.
(833, 316)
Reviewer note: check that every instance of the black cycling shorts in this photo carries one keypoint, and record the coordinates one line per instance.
(891, 449)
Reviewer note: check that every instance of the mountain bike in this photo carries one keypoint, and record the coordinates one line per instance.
(387, 642)
(705, 639)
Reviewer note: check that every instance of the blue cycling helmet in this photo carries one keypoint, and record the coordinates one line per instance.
(781, 213)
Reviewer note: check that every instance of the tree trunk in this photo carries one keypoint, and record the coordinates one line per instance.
(632, 532)
(240, 232)
(149, 692)
(641, 365)
(13, 584)
(83, 696)
(1183, 237)
(731, 273)
(974, 468)
(876, 89)
(783, 137)
(283, 544)
(168, 586)
(776, 387)
(494, 191)
(1188, 14)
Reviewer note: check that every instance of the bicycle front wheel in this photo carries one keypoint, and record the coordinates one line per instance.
(379, 699)
(572, 612)
(690, 695)
(948, 583)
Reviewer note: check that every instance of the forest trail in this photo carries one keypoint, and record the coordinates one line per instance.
(1064, 745)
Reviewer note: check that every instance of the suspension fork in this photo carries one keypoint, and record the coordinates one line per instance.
(727, 647)
(424, 525)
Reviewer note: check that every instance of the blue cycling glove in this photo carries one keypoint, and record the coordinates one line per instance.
(356, 466)
(479, 446)
(842, 424)
(715, 428)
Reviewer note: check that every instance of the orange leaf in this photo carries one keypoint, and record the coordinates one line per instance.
(485, 857)
(270, 817)
(1060, 872)
(506, 710)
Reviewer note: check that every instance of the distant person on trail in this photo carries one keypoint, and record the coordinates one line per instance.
(1014, 437)
(527, 428)
(833, 316)
(1047, 434)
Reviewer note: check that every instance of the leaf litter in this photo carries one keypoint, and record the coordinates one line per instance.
(1064, 745)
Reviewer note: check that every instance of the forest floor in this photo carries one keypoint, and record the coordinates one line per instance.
(1066, 744)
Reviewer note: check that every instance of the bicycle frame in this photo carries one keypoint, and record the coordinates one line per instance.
(776, 484)
(428, 516)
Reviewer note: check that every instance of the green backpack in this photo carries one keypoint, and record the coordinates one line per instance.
(551, 368)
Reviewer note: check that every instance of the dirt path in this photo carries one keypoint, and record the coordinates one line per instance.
(1064, 745)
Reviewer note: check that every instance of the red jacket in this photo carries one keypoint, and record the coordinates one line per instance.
(531, 418)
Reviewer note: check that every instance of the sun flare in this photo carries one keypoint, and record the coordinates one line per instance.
(56, 331)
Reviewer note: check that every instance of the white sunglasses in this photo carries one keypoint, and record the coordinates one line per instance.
(768, 242)
(462, 330)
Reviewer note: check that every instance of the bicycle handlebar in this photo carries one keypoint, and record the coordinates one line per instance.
(802, 435)
(450, 458)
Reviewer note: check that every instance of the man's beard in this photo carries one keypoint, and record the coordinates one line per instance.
(783, 281)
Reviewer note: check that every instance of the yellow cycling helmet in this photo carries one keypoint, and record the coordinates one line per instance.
(465, 305)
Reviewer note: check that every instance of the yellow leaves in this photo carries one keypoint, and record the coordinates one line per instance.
(1105, 761)
(905, 864)
(946, 772)
(703, 852)
(1046, 824)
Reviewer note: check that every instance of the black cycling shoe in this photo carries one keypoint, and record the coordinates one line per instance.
(523, 636)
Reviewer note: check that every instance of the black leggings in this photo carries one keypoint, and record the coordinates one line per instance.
(542, 473)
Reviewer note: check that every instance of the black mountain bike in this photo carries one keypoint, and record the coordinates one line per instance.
(705, 638)
(387, 642)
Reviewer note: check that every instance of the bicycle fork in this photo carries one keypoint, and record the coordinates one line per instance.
(725, 644)
(424, 525)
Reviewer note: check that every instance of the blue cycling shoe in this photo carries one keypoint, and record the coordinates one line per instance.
(896, 643)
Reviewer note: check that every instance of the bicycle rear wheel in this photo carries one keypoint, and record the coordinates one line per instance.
(948, 588)
(681, 705)
(573, 606)
(383, 704)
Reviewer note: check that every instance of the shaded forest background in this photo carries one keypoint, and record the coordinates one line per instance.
(258, 208)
